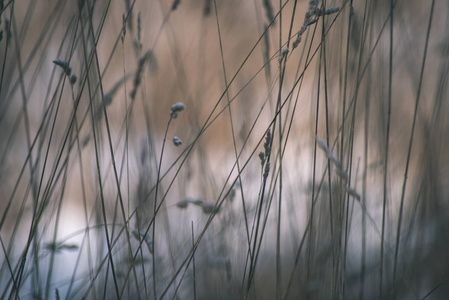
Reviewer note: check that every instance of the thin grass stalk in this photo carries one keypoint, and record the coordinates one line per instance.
(18, 119)
(55, 232)
(11, 272)
(193, 258)
(27, 161)
(117, 180)
(282, 60)
(189, 256)
(239, 171)
(445, 280)
(307, 232)
(4, 58)
(155, 204)
(290, 122)
(271, 190)
(365, 164)
(69, 150)
(342, 148)
(97, 156)
(40, 209)
(35, 194)
(310, 240)
(364, 189)
(22, 206)
(257, 220)
(326, 98)
(26, 22)
(289, 128)
(282, 67)
(352, 127)
(47, 30)
(387, 145)
(418, 96)
(278, 232)
(58, 213)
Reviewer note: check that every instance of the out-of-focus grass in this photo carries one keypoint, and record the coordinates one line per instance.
(307, 162)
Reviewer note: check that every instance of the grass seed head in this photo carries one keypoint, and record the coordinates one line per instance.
(177, 141)
(64, 65)
(183, 204)
(327, 11)
(267, 144)
(130, 14)
(330, 155)
(138, 74)
(175, 108)
(232, 194)
(266, 170)
(122, 37)
(146, 238)
(262, 157)
(297, 41)
(73, 79)
(139, 28)
(268, 10)
(207, 7)
(266, 53)
(209, 208)
(342, 174)
(175, 4)
(85, 140)
(352, 192)
(57, 247)
(197, 201)
(284, 53)
(313, 5)
(312, 21)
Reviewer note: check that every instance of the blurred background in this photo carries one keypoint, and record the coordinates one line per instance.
(312, 162)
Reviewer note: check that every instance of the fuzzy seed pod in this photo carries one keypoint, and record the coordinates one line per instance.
(64, 65)
(175, 108)
(177, 141)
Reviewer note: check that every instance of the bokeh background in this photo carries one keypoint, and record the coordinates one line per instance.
(311, 168)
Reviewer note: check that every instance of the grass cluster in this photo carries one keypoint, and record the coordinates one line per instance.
(210, 149)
